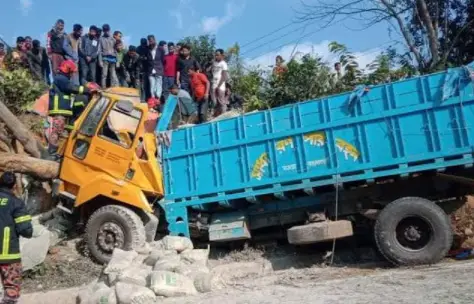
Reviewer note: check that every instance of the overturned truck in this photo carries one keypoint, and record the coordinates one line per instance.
(389, 155)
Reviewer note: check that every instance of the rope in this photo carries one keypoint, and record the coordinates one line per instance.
(336, 211)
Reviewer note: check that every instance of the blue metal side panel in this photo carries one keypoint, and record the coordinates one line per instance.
(319, 141)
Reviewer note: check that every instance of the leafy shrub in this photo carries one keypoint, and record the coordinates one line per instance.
(18, 90)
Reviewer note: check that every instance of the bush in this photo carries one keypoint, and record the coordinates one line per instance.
(18, 90)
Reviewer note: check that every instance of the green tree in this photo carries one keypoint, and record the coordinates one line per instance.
(246, 82)
(202, 48)
(305, 79)
(431, 31)
(18, 90)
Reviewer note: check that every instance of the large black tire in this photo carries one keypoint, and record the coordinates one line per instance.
(113, 226)
(413, 231)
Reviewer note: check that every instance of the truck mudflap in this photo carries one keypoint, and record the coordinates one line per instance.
(151, 226)
(229, 227)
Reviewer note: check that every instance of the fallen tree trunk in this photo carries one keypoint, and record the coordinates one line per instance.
(20, 163)
(20, 132)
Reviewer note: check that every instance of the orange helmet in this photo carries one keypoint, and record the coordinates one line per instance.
(68, 67)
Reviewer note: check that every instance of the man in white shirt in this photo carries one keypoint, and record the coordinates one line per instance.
(220, 74)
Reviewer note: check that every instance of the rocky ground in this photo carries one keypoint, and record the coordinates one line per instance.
(65, 266)
(307, 274)
(447, 282)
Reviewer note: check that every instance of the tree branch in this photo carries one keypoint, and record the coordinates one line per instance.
(432, 37)
(31, 145)
(406, 34)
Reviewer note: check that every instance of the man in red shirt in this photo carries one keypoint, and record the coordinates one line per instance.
(200, 87)
(170, 64)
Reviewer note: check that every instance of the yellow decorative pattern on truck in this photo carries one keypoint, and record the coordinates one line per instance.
(282, 144)
(259, 166)
(315, 138)
(347, 149)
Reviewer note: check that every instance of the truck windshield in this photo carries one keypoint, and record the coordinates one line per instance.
(91, 122)
(120, 127)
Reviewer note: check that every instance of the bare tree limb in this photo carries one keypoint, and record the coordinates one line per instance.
(20, 132)
(432, 36)
(20, 163)
(406, 34)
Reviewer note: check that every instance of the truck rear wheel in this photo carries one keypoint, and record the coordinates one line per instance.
(413, 231)
(111, 227)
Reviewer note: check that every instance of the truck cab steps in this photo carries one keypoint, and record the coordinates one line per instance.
(66, 201)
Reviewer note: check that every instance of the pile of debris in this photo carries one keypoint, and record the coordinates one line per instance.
(48, 230)
(170, 267)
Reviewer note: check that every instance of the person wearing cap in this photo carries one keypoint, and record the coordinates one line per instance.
(133, 67)
(71, 48)
(88, 54)
(54, 45)
(107, 57)
(60, 102)
(14, 222)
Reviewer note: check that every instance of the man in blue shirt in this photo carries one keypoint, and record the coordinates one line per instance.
(88, 54)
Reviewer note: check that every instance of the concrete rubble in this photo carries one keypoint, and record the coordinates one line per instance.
(171, 268)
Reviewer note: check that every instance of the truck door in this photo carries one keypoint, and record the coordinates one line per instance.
(102, 144)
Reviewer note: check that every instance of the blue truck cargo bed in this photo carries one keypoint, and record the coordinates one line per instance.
(390, 129)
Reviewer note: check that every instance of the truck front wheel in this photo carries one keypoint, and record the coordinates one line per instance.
(413, 231)
(111, 227)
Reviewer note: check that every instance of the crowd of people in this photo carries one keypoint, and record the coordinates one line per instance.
(155, 68)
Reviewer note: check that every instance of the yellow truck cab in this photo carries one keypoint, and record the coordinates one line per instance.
(109, 174)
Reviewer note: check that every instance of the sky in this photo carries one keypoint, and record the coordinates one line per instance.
(231, 21)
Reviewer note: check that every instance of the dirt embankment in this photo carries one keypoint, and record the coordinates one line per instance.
(463, 224)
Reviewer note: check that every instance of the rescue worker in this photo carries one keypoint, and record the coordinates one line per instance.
(81, 101)
(14, 222)
(60, 107)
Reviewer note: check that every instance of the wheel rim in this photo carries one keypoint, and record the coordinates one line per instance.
(414, 233)
(110, 236)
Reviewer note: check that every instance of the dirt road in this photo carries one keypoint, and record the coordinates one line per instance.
(448, 282)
